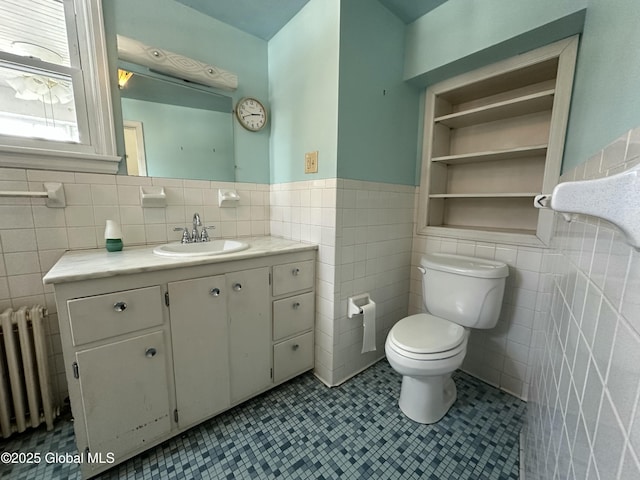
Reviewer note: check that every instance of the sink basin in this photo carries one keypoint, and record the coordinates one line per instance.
(200, 249)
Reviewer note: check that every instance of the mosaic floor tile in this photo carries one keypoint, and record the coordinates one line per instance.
(304, 430)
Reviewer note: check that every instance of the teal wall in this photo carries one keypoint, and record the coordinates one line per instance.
(606, 93)
(175, 27)
(332, 74)
(377, 111)
(462, 35)
(303, 92)
(175, 135)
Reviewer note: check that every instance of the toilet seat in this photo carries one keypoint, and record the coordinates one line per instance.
(427, 337)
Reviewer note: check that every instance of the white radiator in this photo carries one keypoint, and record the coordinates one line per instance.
(25, 392)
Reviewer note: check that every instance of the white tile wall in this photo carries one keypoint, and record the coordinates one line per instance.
(364, 230)
(365, 233)
(33, 236)
(583, 420)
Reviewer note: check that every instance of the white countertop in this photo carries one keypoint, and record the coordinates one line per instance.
(98, 263)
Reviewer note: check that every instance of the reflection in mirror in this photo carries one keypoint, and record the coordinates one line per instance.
(176, 129)
(134, 142)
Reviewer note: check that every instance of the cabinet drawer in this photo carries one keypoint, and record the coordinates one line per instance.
(293, 315)
(292, 277)
(292, 356)
(104, 316)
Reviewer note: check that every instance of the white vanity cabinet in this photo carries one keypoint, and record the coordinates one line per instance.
(154, 350)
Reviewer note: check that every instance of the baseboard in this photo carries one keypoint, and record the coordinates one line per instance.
(496, 385)
(330, 385)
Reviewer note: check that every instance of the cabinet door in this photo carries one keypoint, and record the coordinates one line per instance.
(125, 393)
(199, 332)
(249, 332)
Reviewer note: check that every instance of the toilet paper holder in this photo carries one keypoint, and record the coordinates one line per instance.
(355, 304)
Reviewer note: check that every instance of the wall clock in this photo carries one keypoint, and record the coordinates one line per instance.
(251, 114)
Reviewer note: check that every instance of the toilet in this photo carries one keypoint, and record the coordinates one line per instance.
(459, 293)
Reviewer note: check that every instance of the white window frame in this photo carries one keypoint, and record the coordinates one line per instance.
(96, 151)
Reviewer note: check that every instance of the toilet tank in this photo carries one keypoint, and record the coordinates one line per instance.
(464, 290)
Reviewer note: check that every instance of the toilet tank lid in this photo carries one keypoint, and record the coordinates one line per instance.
(462, 265)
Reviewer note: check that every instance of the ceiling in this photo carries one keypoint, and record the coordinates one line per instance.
(264, 18)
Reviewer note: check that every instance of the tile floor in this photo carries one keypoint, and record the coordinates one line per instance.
(303, 430)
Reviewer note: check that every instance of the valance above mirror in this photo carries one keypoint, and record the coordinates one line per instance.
(175, 65)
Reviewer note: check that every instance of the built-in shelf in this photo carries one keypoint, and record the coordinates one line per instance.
(516, 231)
(510, 154)
(493, 140)
(485, 195)
(526, 104)
(454, 230)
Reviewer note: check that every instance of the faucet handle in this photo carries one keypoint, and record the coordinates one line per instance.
(204, 236)
(185, 234)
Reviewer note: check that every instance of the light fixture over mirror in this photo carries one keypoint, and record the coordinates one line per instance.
(175, 65)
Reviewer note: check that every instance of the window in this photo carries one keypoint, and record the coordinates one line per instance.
(55, 105)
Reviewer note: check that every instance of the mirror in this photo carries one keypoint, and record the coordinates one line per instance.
(174, 128)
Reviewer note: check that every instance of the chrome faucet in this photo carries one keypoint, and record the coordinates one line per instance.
(195, 235)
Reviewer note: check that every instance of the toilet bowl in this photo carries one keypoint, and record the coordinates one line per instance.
(427, 348)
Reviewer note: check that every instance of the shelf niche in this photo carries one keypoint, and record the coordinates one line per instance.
(493, 139)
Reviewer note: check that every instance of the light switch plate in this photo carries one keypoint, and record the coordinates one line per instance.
(311, 162)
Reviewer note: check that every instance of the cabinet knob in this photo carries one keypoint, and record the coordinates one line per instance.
(150, 352)
(295, 272)
(295, 347)
(120, 306)
(237, 287)
(296, 305)
(215, 292)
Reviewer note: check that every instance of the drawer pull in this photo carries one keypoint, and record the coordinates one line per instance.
(296, 305)
(120, 306)
(215, 292)
(295, 272)
(237, 287)
(295, 347)
(150, 352)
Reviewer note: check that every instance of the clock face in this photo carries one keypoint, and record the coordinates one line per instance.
(251, 114)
